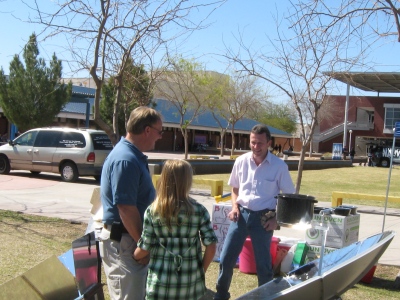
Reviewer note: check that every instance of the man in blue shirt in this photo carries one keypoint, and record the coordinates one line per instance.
(126, 191)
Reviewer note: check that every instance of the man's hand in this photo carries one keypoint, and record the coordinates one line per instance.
(271, 224)
(234, 214)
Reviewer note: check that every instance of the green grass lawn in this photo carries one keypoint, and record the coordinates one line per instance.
(321, 183)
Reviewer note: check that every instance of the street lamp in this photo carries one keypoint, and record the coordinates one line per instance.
(350, 131)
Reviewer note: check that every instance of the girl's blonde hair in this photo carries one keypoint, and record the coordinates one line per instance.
(173, 191)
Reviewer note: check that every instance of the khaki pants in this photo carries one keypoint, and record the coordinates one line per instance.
(126, 279)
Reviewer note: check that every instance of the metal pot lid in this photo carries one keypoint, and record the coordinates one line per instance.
(297, 197)
(342, 211)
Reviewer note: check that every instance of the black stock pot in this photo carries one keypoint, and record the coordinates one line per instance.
(293, 209)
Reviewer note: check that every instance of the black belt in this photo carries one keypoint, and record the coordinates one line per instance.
(260, 212)
(116, 230)
(116, 226)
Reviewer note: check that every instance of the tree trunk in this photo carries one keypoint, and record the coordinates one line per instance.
(222, 143)
(97, 119)
(233, 142)
(300, 168)
(185, 138)
(116, 107)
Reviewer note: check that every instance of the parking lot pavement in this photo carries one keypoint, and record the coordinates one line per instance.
(47, 195)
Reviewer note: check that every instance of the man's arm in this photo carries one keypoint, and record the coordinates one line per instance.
(131, 219)
(133, 224)
(234, 213)
(285, 183)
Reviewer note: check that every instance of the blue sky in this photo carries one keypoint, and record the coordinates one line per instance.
(253, 18)
(225, 23)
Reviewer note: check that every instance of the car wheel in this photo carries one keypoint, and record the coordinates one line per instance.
(35, 172)
(69, 172)
(385, 163)
(4, 165)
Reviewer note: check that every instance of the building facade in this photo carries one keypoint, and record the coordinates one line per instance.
(370, 120)
(204, 131)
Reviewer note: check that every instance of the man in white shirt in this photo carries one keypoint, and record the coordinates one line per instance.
(256, 178)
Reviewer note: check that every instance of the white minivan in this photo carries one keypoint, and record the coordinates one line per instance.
(70, 152)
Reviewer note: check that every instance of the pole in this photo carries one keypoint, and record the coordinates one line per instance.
(323, 229)
(396, 133)
(350, 131)
(13, 131)
(346, 108)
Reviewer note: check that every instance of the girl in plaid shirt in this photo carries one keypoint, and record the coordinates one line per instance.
(174, 228)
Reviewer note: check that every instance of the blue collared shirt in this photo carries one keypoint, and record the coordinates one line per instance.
(125, 179)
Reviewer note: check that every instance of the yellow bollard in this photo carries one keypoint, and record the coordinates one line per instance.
(223, 198)
(217, 186)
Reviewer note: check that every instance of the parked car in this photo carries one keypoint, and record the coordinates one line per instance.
(69, 152)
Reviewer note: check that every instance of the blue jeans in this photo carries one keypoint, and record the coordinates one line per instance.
(249, 224)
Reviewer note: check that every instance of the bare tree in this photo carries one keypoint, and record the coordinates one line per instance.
(137, 91)
(231, 99)
(243, 94)
(186, 85)
(300, 61)
(220, 86)
(104, 35)
(365, 20)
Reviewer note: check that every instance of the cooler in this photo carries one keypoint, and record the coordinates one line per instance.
(247, 263)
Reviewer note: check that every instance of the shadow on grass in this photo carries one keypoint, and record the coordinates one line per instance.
(38, 230)
(381, 284)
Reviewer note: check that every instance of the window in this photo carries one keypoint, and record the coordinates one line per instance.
(26, 139)
(371, 117)
(392, 115)
(72, 140)
(101, 141)
(47, 138)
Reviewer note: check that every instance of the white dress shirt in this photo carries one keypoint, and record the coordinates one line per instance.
(258, 185)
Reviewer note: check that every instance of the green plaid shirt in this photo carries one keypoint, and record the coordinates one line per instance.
(176, 268)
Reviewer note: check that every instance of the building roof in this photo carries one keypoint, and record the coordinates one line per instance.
(381, 82)
(77, 105)
(80, 96)
(206, 121)
(170, 114)
(84, 91)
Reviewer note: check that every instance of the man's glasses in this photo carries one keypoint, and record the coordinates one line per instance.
(160, 132)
